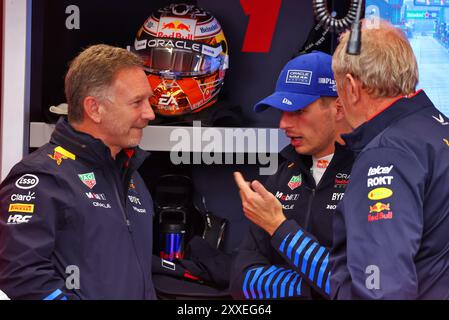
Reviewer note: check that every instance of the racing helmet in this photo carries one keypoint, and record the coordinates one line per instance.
(185, 54)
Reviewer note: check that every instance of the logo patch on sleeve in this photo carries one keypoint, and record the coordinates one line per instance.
(380, 193)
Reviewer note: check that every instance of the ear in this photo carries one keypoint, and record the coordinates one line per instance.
(92, 106)
(340, 111)
(354, 89)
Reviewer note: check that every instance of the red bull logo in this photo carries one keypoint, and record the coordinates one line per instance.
(380, 216)
(380, 211)
(57, 157)
(379, 207)
(61, 154)
(176, 25)
(180, 28)
(322, 164)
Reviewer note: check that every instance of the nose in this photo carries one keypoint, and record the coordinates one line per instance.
(148, 113)
(285, 122)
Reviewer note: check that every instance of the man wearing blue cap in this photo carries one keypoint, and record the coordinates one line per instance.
(302, 196)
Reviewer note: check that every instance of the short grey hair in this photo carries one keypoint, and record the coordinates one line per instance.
(92, 72)
(386, 67)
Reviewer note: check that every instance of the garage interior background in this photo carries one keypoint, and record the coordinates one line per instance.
(262, 36)
(280, 26)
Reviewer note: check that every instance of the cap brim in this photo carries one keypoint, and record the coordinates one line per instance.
(285, 101)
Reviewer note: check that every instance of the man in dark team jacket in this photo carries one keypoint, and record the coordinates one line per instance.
(76, 217)
(391, 230)
(309, 184)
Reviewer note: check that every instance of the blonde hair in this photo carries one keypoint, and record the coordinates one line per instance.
(386, 67)
(92, 72)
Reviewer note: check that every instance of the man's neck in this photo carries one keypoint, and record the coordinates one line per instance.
(328, 151)
(377, 106)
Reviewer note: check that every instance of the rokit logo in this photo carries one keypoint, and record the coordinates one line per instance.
(27, 181)
(379, 181)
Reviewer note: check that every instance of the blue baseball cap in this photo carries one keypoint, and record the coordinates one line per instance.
(303, 80)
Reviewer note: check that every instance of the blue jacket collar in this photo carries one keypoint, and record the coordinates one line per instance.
(91, 149)
(361, 136)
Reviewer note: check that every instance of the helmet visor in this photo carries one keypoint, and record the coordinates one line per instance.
(180, 62)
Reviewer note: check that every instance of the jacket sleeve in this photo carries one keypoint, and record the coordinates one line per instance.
(304, 254)
(29, 210)
(253, 276)
(383, 215)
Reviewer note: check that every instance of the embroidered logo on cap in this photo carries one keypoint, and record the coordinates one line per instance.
(299, 77)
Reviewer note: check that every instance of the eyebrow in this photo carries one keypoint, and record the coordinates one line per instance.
(140, 97)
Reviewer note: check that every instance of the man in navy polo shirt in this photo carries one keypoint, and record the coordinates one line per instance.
(306, 189)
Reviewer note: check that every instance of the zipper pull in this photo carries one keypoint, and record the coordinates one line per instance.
(128, 224)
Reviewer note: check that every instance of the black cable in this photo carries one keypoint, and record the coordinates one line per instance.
(326, 23)
(324, 17)
(355, 37)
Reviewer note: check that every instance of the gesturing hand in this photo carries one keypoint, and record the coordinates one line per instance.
(260, 206)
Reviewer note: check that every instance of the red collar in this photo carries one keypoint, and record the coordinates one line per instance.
(129, 153)
(393, 102)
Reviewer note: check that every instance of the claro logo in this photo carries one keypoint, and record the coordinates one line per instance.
(27, 181)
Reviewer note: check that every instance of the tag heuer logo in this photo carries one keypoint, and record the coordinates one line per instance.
(88, 179)
(295, 182)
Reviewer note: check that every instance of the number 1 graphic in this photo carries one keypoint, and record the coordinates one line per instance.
(263, 15)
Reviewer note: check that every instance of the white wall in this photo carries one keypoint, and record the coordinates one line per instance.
(14, 133)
